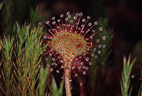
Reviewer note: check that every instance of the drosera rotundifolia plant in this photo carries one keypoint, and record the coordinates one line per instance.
(70, 42)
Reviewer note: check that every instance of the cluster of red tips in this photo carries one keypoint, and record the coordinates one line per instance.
(72, 27)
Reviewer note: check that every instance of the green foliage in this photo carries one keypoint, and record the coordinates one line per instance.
(7, 18)
(18, 11)
(28, 50)
(35, 17)
(99, 64)
(7, 50)
(102, 59)
(125, 83)
(54, 89)
(42, 80)
(21, 72)
(137, 53)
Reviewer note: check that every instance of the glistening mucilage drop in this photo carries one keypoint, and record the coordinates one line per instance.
(71, 38)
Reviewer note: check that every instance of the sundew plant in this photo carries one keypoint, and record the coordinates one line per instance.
(71, 39)
(68, 55)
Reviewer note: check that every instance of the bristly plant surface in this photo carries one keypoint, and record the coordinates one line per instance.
(125, 83)
(21, 71)
(70, 42)
(99, 66)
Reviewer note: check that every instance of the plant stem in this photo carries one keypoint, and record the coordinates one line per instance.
(81, 81)
(67, 83)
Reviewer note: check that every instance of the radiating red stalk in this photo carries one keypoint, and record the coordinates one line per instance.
(69, 43)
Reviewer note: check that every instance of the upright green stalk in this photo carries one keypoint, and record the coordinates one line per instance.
(28, 51)
(7, 50)
(125, 83)
(42, 80)
(99, 64)
(54, 89)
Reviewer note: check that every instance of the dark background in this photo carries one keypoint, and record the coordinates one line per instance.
(125, 18)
